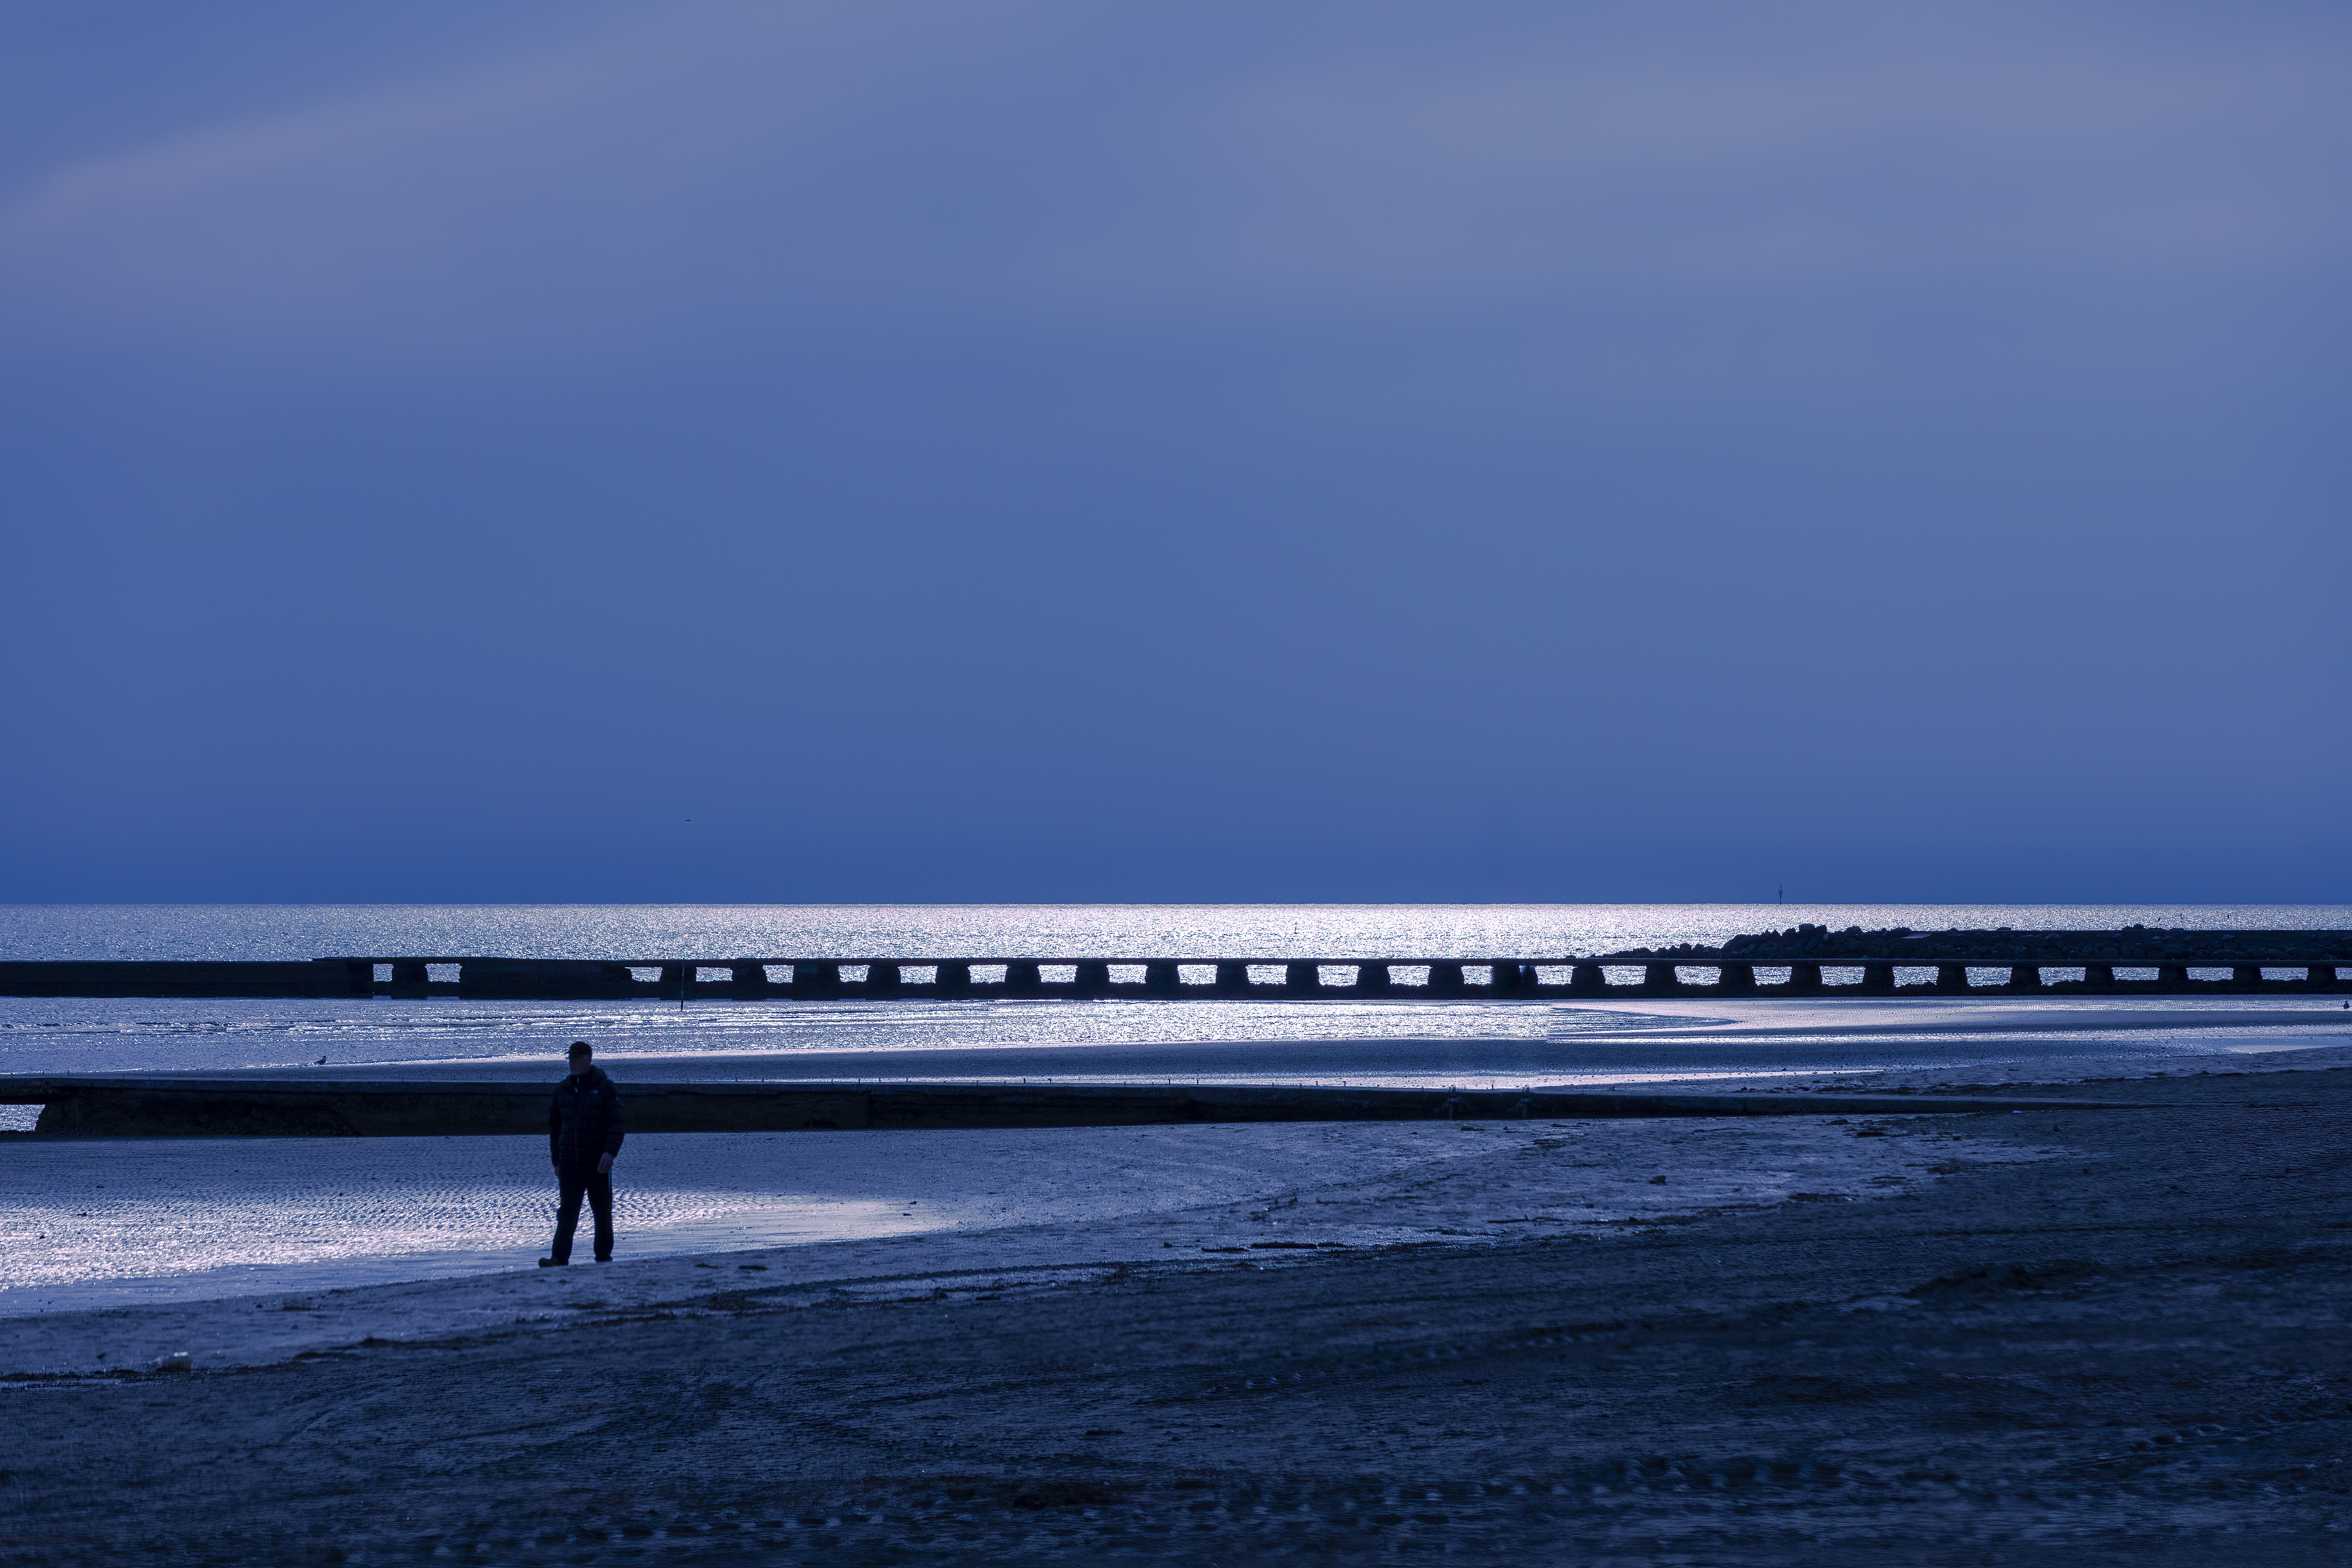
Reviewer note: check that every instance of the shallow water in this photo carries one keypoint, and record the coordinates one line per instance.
(105, 1222)
(101, 1220)
(119, 1036)
(1363, 1042)
(96, 1034)
(136, 1217)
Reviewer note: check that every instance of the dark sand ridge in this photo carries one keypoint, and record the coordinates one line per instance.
(2133, 1353)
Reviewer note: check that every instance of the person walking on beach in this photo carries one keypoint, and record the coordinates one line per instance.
(584, 1134)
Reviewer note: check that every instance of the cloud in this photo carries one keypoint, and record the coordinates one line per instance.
(690, 176)
(1718, 167)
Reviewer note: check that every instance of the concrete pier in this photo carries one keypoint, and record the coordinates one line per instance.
(1165, 979)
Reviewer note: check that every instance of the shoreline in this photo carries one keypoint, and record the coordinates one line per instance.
(1276, 1176)
(2120, 1342)
(809, 1209)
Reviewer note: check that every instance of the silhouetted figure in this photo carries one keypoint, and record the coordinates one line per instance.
(583, 1134)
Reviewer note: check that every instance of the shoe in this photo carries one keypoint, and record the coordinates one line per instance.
(606, 1258)
(553, 1262)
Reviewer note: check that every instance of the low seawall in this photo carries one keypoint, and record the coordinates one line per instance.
(151, 1107)
(2232, 963)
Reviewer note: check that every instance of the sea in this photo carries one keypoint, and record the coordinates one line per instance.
(1406, 1041)
(111, 1223)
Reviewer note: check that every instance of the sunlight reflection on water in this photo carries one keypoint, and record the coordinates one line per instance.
(108, 1035)
(718, 932)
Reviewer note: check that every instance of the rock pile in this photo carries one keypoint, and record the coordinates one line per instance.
(2132, 944)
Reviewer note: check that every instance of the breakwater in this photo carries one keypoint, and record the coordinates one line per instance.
(1805, 963)
(215, 1108)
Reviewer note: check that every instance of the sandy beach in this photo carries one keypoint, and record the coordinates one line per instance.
(2091, 1336)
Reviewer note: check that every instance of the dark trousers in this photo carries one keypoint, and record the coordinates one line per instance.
(571, 1183)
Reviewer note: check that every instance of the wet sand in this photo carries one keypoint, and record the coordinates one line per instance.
(2103, 1337)
(892, 1211)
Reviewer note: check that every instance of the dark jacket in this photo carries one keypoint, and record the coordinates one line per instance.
(584, 1120)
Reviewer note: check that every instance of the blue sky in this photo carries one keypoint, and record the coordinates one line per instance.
(1056, 451)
